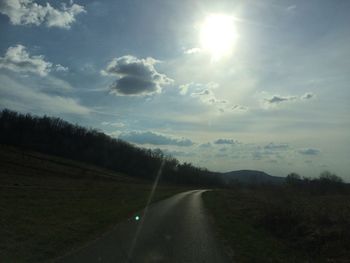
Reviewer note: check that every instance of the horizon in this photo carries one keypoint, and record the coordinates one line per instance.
(225, 85)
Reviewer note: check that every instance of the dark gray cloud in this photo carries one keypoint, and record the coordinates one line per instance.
(135, 76)
(154, 138)
(28, 12)
(225, 141)
(275, 147)
(309, 151)
(279, 99)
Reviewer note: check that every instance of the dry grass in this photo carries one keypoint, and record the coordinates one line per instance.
(49, 205)
(283, 224)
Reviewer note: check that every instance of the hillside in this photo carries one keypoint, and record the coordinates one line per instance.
(250, 177)
(54, 136)
(50, 205)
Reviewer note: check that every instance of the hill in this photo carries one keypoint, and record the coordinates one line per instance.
(250, 177)
(54, 136)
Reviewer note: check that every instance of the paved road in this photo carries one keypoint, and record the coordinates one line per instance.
(174, 230)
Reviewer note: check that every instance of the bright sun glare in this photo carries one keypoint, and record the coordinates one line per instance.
(217, 35)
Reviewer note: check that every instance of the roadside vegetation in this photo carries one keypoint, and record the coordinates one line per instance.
(304, 220)
(50, 205)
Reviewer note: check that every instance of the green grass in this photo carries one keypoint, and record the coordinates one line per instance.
(278, 224)
(49, 206)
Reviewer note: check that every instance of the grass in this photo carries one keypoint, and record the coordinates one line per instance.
(49, 205)
(282, 224)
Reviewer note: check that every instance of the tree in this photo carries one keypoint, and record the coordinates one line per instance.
(293, 179)
(328, 177)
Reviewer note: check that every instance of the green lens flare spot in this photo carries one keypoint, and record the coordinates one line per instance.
(137, 218)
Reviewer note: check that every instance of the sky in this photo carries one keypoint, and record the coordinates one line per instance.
(225, 85)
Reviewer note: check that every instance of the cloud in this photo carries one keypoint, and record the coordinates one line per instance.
(59, 67)
(18, 59)
(16, 96)
(225, 141)
(239, 108)
(27, 12)
(205, 145)
(279, 99)
(275, 147)
(309, 151)
(135, 76)
(178, 153)
(205, 93)
(193, 50)
(154, 138)
(113, 124)
(276, 99)
(291, 8)
(307, 96)
(184, 89)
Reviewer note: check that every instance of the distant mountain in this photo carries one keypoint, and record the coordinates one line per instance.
(251, 177)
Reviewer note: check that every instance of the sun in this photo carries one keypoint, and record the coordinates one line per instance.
(218, 35)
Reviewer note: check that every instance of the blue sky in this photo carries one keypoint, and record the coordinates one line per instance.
(277, 100)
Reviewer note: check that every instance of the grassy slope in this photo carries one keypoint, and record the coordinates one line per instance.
(275, 225)
(49, 205)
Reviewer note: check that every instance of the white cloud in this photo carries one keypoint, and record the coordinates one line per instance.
(193, 50)
(149, 137)
(135, 76)
(59, 67)
(113, 124)
(184, 89)
(18, 59)
(28, 12)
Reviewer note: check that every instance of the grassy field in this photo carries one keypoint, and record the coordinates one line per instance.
(49, 206)
(282, 224)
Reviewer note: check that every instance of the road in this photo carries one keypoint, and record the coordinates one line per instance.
(173, 230)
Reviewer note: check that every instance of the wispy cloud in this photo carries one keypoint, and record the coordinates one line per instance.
(225, 141)
(14, 95)
(113, 124)
(309, 151)
(154, 139)
(279, 99)
(274, 146)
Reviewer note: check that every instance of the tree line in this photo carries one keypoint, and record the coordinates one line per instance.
(326, 183)
(55, 136)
